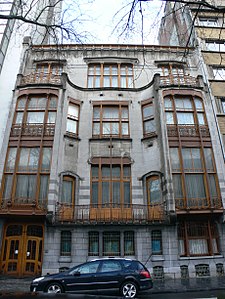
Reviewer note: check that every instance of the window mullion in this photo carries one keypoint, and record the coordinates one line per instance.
(102, 75)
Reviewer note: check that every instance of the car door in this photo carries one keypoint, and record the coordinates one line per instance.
(82, 278)
(109, 275)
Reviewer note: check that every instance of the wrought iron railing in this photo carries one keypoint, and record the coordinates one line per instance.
(40, 78)
(179, 80)
(110, 213)
(188, 131)
(199, 204)
(32, 130)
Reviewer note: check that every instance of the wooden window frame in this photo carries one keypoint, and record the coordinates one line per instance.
(68, 178)
(101, 75)
(148, 119)
(195, 230)
(100, 179)
(148, 180)
(47, 70)
(156, 235)
(74, 119)
(66, 238)
(101, 120)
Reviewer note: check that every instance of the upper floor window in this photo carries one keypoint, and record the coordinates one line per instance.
(216, 46)
(36, 110)
(110, 121)
(172, 70)
(148, 119)
(72, 119)
(68, 190)
(46, 71)
(154, 191)
(209, 22)
(220, 105)
(111, 184)
(219, 73)
(110, 75)
(184, 110)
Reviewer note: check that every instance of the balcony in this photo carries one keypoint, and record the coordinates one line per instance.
(40, 78)
(110, 214)
(23, 206)
(199, 204)
(188, 131)
(32, 130)
(178, 80)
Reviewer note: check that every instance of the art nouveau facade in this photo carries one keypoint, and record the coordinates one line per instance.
(111, 151)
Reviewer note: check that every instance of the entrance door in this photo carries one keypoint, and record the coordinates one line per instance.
(22, 250)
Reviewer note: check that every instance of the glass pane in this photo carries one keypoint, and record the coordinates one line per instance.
(177, 186)
(201, 119)
(11, 159)
(185, 118)
(35, 117)
(106, 128)
(46, 158)
(124, 113)
(73, 111)
(126, 187)
(21, 103)
(125, 130)
(184, 104)
(97, 82)
(7, 186)
(67, 192)
(53, 102)
(114, 81)
(175, 160)
(195, 186)
(106, 82)
(114, 128)
(168, 103)
(116, 171)
(110, 113)
(105, 193)
(192, 159)
(126, 171)
(19, 118)
(123, 82)
(43, 191)
(96, 128)
(96, 113)
(94, 193)
(154, 191)
(212, 186)
(116, 192)
(198, 246)
(51, 117)
(106, 70)
(37, 103)
(90, 81)
(148, 111)
(105, 171)
(149, 126)
(209, 159)
(169, 118)
(26, 186)
(94, 171)
(198, 104)
(71, 126)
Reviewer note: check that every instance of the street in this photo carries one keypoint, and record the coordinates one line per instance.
(216, 294)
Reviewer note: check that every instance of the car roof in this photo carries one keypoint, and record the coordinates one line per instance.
(111, 258)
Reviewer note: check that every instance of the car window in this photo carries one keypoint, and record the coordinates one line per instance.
(109, 266)
(87, 268)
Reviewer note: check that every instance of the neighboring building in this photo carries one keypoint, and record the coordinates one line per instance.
(107, 155)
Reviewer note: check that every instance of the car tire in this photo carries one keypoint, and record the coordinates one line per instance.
(54, 288)
(129, 289)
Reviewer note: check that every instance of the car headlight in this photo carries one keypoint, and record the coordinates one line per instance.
(38, 279)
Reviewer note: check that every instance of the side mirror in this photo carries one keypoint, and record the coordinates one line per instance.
(77, 273)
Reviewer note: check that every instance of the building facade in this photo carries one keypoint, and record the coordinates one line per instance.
(112, 151)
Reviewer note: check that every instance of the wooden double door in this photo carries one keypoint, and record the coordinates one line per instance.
(22, 248)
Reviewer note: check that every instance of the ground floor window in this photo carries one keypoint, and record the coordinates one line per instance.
(111, 243)
(65, 245)
(198, 238)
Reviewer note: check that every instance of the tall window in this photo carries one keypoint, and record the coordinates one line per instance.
(32, 112)
(47, 71)
(65, 244)
(198, 238)
(72, 119)
(156, 240)
(111, 184)
(93, 244)
(154, 190)
(194, 177)
(30, 172)
(68, 190)
(110, 75)
(149, 128)
(184, 110)
(110, 121)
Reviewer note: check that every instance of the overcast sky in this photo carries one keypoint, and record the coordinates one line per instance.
(103, 20)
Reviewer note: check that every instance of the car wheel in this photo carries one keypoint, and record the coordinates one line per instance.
(54, 288)
(129, 289)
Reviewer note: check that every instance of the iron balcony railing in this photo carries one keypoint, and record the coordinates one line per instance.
(179, 80)
(110, 213)
(41, 78)
(188, 131)
(199, 204)
(32, 130)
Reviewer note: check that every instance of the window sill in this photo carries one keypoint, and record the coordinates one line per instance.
(110, 138)
(72, 136)
(65, 259)
(157, 258)
(200, 257)
(150, 136)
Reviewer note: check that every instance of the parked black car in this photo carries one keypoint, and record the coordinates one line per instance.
(123, 275)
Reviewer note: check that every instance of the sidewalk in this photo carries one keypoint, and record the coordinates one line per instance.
(12, 285)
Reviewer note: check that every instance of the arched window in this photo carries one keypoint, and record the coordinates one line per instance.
(154, 192)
